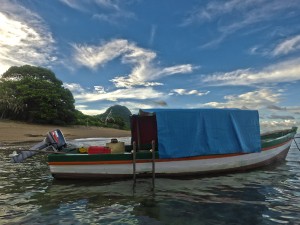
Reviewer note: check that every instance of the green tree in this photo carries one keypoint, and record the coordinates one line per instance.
(35, 95)
(9, 103)
(120, 122)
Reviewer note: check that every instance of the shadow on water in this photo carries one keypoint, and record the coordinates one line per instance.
(29, 195)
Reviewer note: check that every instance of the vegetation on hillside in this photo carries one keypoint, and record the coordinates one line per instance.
(118, 115)
(34, 94)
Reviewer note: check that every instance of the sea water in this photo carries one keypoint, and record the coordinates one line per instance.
(29, 195)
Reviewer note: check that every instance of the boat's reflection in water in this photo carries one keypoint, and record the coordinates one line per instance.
(260, 197)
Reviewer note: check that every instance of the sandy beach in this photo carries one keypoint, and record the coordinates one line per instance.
(16, 132)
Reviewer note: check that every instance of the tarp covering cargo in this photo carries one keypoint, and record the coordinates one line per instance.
(193, 132)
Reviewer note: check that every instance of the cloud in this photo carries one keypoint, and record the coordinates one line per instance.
(250, 100)
(113, 18)
(286, 71)
(133, 98)
(160, 103)
(235, 15)
(113, 4)
(152, 34)
(260, 100)
(144, 72)
(98, 93)
(290, 109)
(114, 11)
(93, 56)
(275, 107)
(282, 117)
(86, 110)
(134, 106)
(74, 4)
(287, 46)
(130, 93)
(87, 4)
(106, 10)
(182, 91)
(267, 125)
(24, 37)
(73, 87)
(293, 109)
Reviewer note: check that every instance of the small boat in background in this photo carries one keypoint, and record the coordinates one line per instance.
(168, 143)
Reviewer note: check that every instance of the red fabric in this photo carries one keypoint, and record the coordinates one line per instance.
(146, 127)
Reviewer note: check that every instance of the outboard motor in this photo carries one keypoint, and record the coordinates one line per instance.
(54, 139)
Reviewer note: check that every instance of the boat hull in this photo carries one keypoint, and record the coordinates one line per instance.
(200, 165)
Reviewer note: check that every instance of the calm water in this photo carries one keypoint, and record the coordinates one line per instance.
(29, 195)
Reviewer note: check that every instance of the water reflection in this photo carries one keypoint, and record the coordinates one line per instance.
(29, 195)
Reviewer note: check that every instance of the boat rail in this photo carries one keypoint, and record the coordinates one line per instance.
(277, 137)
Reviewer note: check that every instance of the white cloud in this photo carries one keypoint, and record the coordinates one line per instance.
(133, 98)
(234, 15)
(115, 17)
(289, 45)
(99, 94)
(258, 100)
(267, 125)
(152, 34)
(89, 111)
(251, 100)
(134, 106)
(73, 87)
(24, 37)
(182, 91)
(286, 71)
(93, 56)
(186, 68)
(73, 4)
(144, 70)
(247, 11)
(112, 8)
(130, 93)
(83, 5)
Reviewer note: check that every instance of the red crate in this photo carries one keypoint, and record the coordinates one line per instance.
(99, 150)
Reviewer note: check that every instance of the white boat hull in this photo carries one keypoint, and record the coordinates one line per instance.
(172, 167)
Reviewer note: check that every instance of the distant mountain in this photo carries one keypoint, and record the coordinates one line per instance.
(115, 114)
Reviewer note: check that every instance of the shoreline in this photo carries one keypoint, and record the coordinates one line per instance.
(13, 132)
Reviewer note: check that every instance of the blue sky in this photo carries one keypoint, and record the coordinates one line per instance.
(163, 53)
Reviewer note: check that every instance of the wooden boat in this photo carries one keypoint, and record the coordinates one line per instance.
(138, 159)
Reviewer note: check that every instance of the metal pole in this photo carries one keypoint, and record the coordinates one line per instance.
(153, 164)
(138, 134)
(134, 162)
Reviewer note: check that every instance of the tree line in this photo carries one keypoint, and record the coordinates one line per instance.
(34, 94)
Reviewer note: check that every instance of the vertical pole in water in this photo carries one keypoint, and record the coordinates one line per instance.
(134, 162)
(153, 164)
(138, 135)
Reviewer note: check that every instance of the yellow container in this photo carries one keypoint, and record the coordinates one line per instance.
(118, 147)
(83, 150)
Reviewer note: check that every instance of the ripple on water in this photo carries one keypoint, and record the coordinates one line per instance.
(29, 195)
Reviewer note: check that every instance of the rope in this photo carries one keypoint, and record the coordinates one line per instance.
(296, 142)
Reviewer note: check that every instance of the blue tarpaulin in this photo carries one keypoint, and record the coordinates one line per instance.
(193, 132)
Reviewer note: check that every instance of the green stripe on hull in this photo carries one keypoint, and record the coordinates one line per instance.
(97, 157)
